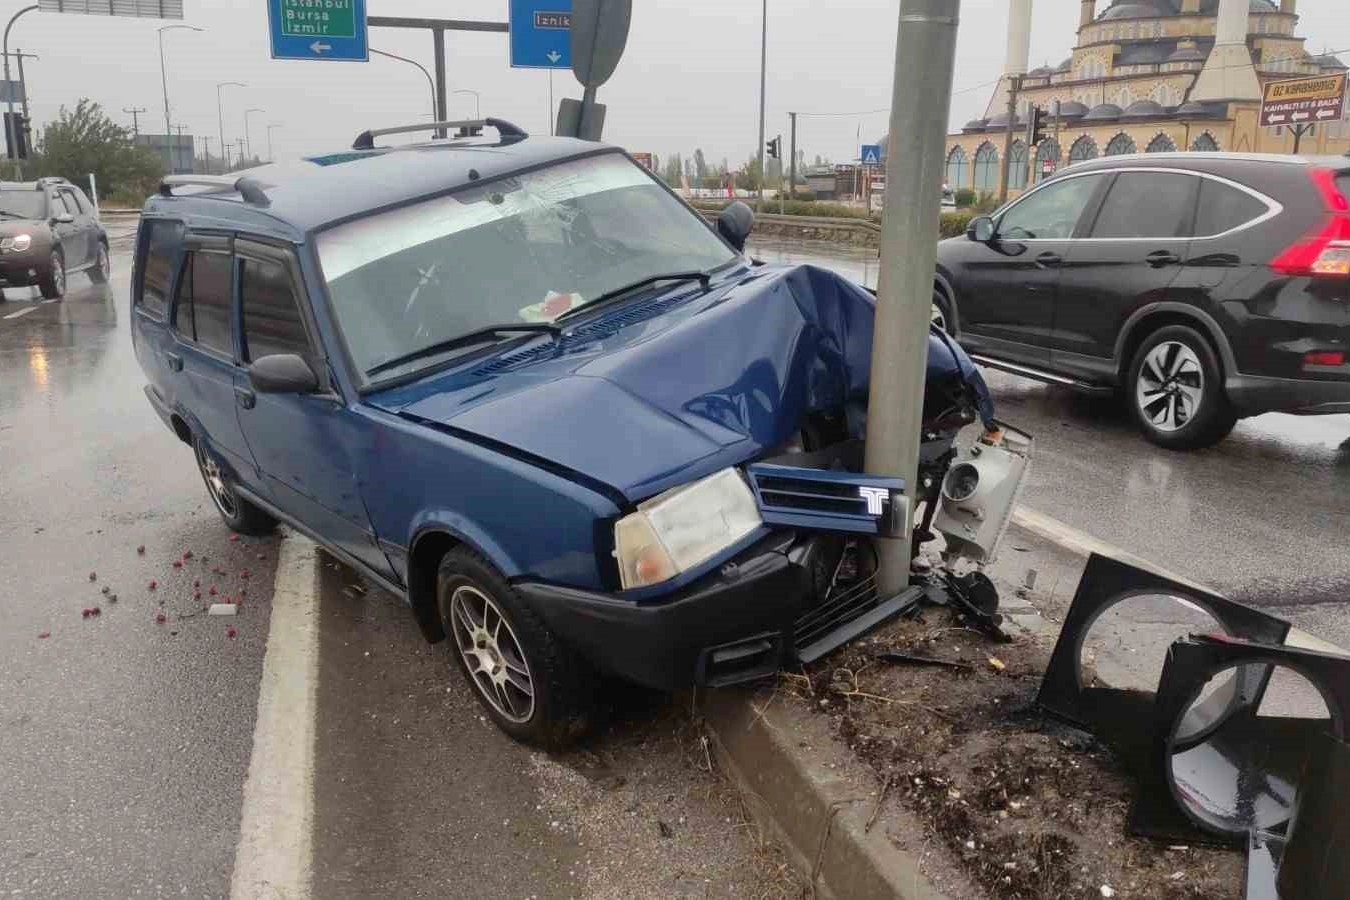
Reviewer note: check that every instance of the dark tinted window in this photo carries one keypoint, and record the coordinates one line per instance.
(272, 322)
(1147, 205)
(75, 200)
(1223, 208)
(204, 301)
(161, 246)
(1049, 212)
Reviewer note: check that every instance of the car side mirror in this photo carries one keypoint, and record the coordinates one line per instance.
(63, 218)
(981, 229)
(282, 373)
(735, 222)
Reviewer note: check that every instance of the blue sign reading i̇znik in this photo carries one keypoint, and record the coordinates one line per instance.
(318, 29)
(541, 34)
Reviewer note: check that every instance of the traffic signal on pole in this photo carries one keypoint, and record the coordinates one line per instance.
(1036, 127)
(773, 146)
(16, 136)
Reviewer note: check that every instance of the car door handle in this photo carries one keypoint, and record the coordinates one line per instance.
(175, 362)
(1159, 258)
(245, 396)
(1048, 260)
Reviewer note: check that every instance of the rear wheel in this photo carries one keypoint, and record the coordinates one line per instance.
(52, 282)
(1175, 390)
(534, 687)
(238, 513)
(101, 271)
(940, 315)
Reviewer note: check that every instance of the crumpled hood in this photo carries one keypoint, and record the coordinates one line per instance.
(667, 389)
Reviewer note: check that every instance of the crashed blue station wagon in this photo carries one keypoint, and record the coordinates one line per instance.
(521, 384)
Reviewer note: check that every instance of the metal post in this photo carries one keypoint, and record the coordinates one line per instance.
(1014, 86)
(792, 166)
(248, 140)
(763, 67)
(14, 138)
(1299, 131)
(206, 144)
(270, 126)
(552, 116)
(438, 40)
(135, 113)
(412, 62)
(23, 82)
(781, 210)
(220, 117)
(477, 101)
(163, 76)
(925, 53)
(1059, 151)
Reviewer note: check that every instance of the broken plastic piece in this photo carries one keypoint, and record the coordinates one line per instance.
(896, 656)
(222, 609)
(1316, 860)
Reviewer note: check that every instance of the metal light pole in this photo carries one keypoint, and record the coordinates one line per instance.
(248, 143)
(925, 53)
(163, 76)
(220, 118)
(412, 62)
(270, 126)
(477, 109)
(135, 118)
(18, 170)
(763, 66)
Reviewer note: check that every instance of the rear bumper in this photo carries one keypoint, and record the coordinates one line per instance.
(759, 612)
(1252, 395)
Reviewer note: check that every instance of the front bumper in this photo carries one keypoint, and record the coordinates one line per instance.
(759, 612)
(1252, 395)
(21, 270)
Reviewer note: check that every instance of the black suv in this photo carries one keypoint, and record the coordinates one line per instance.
(48, 230)
(1202, 287)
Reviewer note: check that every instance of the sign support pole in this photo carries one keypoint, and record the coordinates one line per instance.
(438, 48)
(925, 53)
(1014, 88)
(792, 163)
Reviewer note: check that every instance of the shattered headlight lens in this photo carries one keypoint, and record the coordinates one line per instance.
(677, 530)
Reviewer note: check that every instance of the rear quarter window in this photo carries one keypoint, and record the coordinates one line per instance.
(159, 249)
(1223, 208)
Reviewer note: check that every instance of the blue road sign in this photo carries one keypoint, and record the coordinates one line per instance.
(870, 155)
(541, 34)
(318, 29)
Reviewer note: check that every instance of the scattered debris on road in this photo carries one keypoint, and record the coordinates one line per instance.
(223, 609)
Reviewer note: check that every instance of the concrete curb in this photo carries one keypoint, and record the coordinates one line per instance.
(818, 813)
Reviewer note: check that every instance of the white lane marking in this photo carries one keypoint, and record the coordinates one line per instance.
(1084, 544)
(23, 312)
(51, 301)
(274, 857)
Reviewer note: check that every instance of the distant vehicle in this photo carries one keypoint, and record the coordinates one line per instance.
(1204, 287)
(523, 386)
(948, 198)
(48, 231)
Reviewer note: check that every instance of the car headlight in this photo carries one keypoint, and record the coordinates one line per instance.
(677, 530)
(17, 242)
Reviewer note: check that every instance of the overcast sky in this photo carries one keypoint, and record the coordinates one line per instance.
(689, 78)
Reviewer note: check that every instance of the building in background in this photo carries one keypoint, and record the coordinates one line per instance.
(1146, 76)
(175, 150)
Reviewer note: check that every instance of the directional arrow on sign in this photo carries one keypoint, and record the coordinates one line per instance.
(554, 56)
(319, 48)
(1299, 117)
(1325, 113)
(1279, 118)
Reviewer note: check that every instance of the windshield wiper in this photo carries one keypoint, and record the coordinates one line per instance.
(702, 278)
(477, 336)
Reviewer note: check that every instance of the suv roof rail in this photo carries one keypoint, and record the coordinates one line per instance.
(509, 133)
(249, 188)
(53, 179)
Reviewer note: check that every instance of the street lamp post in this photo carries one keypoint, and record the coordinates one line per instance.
(270, 126)
(163, 75)
(248, 142)
(18, 169)
(412, 62)
(220, 117)
(763, 67)
(477, 109)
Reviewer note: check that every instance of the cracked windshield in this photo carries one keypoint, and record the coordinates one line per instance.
(527, 248)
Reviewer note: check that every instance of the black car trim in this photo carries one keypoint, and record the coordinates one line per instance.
(1212, 327)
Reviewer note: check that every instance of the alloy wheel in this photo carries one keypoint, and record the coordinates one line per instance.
(492, 654)
(58, 275)
(104, 263)
(1171, 386)
(216, 485)
(937, 317)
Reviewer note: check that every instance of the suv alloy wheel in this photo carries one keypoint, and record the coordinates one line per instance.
(1175, 390)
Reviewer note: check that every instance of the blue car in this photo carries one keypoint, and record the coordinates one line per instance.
(521, 384)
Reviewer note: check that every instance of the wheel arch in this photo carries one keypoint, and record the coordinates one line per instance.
(943, 285)
(1148, 319)
(431, 541)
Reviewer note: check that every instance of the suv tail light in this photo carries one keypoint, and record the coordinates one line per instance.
(1325, 251)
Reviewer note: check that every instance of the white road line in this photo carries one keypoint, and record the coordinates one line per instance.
(51, 301)
(274, 857)
(1084, 544)
(23, 312)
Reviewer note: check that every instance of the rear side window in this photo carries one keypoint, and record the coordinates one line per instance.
(1223, 208)
(161, 247)
(73, 201)
(1147, 205)
(203, 310)
(272, 322)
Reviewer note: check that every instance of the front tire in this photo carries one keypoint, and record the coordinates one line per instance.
(238, 513)
(1175, 390)
(53, 281)
(102, 268)
(940, 314)
(535, 688)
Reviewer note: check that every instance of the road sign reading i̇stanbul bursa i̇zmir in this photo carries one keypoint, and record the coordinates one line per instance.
(318, 29)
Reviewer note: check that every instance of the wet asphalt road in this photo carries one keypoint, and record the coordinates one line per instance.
(1263, 516)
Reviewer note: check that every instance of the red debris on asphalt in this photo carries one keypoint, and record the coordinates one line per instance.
(187, 554)
(234, 538)
(93, 576)
(95, 611)
(212, 592)
(178, 564)
(243, 591)
(86, 613)
(141, 549)
(153, 584)
(160, 618)
(43, 635)
(196, 582)
(230, 633)
(243, 573)
(196, 595)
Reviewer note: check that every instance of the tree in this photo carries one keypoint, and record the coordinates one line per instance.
(748, 178)
(674, 166)
(84, 140)
(700, 164)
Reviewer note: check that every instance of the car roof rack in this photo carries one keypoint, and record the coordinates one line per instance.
(249, 188)
(509, 133)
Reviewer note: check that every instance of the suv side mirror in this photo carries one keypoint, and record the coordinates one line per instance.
(735, 222)
(981, 229)
(64, 218)
(282, 373)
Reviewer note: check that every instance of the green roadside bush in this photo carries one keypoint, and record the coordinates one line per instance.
(965, 198)
(953, 224)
